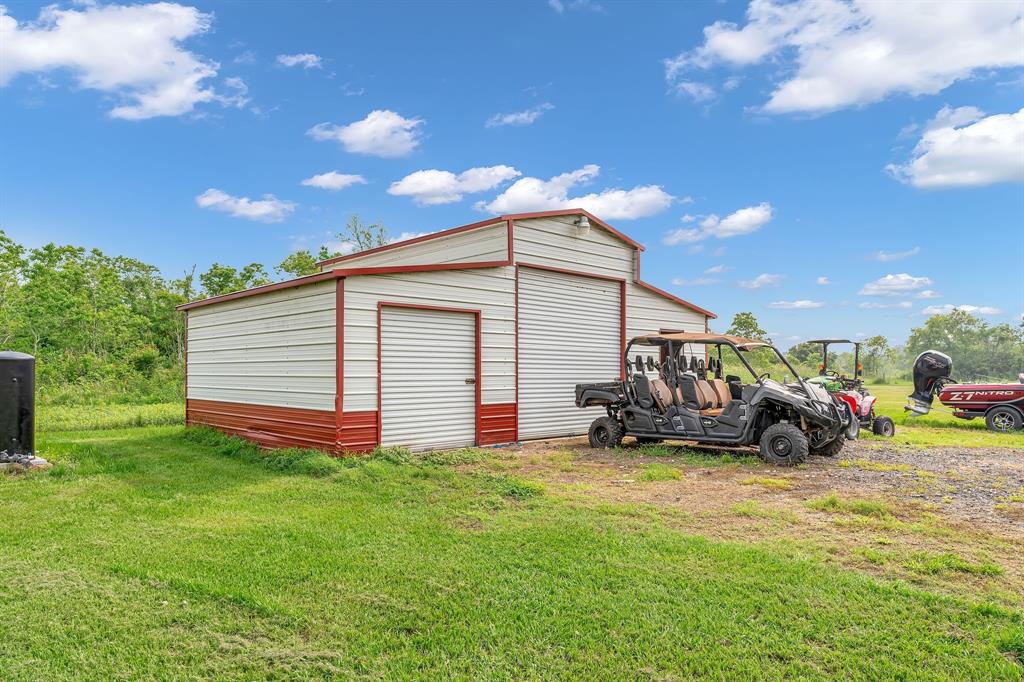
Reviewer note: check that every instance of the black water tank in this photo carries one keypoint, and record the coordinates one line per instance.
(17, 402)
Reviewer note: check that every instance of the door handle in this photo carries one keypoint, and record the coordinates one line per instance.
(471, 381)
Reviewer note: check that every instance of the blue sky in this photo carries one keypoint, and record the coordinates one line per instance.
(753, 148)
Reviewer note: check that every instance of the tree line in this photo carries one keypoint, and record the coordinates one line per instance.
(980, 351)
(104, 328)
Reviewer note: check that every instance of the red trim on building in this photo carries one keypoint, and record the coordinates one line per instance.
(358, 432)
(339, 354)
(566, 271)
(265, 289)
(509, 241)
(429, 267)
(270, 426)
(665, 294)
(415, 240)
(622, 331)
(478, 360)
(499, 423)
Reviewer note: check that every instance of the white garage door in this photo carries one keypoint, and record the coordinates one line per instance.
(569, 333)
(428, 376)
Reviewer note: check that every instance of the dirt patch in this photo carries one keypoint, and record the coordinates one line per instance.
(943, 517)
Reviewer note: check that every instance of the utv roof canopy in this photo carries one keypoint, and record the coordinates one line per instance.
(701, 337)
(830, 341)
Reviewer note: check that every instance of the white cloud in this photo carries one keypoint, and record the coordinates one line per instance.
(688, 218)
(382, 133)
(534, 194)
(888, 256)
(927, 293)
(407, 235)
(948, 308)
(561, 6)
(834, 54)
(763, 280)
(306, 60)
(895, 285)
(695, 90)
(802, 304)
(333, 180)
(823, 281)
(269, 209)
(519, 118)
(717, 269)
(130, 51)
(962, 148)
(698, 282)
(875, 305)
(743, 221)
(431, 187)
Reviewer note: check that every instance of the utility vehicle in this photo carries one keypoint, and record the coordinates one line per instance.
(675, 398)
(1001, 405)
(851, 390)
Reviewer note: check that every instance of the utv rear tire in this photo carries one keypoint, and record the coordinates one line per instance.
(784, 445)
(605, 433)
(1003, 419)
(831, 448)
(883, 426)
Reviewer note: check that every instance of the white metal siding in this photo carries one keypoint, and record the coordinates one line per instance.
(648, 312)
(490, 290)
(273, 349)
(426, 358)
(557, 242)
(569, 333)
(483, 244)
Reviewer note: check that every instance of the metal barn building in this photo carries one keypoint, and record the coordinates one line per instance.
(473, 335)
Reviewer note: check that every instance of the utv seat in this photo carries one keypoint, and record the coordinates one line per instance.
(661, 394)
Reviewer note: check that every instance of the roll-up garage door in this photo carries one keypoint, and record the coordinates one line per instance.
(428, 378)
(569, 333)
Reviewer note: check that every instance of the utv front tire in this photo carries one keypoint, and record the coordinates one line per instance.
(883, 426)
(606, 433)
(784, 445)
(831, 448)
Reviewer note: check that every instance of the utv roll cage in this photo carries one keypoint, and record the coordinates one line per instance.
(671, 342)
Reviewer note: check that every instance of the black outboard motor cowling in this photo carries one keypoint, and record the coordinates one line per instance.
(931, 369)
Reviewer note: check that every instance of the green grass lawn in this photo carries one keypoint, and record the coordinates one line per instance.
(149, 554)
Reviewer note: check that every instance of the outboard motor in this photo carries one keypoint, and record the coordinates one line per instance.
(931, 371)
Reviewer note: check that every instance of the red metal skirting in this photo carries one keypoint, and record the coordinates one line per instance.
(497, 423)
(270, 426)
(358, 432)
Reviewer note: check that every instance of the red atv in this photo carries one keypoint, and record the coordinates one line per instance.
(852, 391)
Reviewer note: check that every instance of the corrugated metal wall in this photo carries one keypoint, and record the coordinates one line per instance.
(490, 290)
(648, 312)
(275, 349)
(556, 242)
(473, 246)
(569, 333)
(428, 378)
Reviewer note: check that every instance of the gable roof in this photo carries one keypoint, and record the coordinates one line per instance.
(509, 219)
